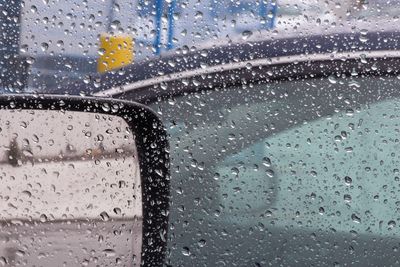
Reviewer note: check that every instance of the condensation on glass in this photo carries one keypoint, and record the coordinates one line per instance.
(70, 190)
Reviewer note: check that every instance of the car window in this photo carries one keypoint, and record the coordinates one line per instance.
(267, 173)
(282, 120)
(338, 167)
(61, 46)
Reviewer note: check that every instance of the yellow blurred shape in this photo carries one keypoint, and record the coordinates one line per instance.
(115, 51)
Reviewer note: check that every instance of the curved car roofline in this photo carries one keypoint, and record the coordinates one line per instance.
(253, 63)
(235, 55)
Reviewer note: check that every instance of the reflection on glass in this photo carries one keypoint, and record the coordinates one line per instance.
(70, 190)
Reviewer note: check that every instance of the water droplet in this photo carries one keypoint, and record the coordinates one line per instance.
(198, 15)
(235, 171)
(332, 79)
(355, 218)
(35, 138)
(27, 193)
(115, 24)
(266, 162)
(44, 46)
(347, 198)
(43, 218)
(20, 253)
(363, 36)
(186, 251)
(106, 107)
(348, 180)
(41, 256)
(117, 211)
(391, 224)
(104, 216)
(109, 252)
(246, 34)
(27, 153)
(101, 51)
(270, 173)
(201, 243)
(60, 43)
(3, 261)
(321, 210)
(30, 60)
(33, 9)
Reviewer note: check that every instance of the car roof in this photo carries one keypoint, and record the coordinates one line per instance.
(186, 59)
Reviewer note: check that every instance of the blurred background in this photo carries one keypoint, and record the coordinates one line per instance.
(50, 43)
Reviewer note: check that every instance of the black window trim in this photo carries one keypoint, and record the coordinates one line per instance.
(153, 152)
(314, 66)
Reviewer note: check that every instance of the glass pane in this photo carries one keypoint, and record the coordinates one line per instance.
(63, 46)
(70, 191)
(301, 172)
